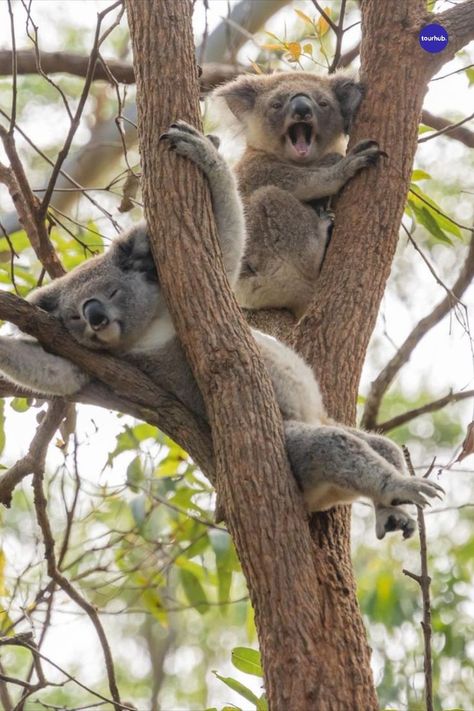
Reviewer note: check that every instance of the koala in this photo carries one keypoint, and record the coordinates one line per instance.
(294, 125)
(113, 303)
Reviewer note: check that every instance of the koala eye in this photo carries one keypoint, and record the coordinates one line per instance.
(113, 293)
(323, 103)
(276, 104)
(74, 317)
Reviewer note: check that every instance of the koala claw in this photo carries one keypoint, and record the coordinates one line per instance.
(391, 518)
(362, 146)
(188, 141)
(413, 491)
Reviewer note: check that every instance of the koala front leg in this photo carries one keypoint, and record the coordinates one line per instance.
(26, 363)
(325, 180)
(226, 203)
(330, 461)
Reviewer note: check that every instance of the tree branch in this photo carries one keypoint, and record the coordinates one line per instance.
(28, 207)
(128, 386)
(64, 583)
(447, 128)
(433, 406)
(35, 458)
(386, 376)
(458, 21)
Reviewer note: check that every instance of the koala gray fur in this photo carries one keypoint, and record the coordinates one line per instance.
(294, 124)
(113, 302)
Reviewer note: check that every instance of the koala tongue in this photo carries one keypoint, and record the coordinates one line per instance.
(301, 144)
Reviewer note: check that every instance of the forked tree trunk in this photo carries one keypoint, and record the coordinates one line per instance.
(312, 639)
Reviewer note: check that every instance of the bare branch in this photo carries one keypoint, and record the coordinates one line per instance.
(66, 585)
(93, 60)
(324, 15)
(424, 581)
(28, 207)
(458, 21)
(433, 406)
(130, 390)
(463, 135)
(35, 458)
(339, 36)
(386, 376)
(459, 134)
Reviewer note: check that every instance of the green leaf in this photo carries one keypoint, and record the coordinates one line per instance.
(420, 175)
(421, 199)
(425, 218)
(470, 75)
(135, 474)
(239, 688)
(194, 591)
(247, 660)
(20, 404)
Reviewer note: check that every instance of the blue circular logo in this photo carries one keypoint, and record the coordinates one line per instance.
(433, 38)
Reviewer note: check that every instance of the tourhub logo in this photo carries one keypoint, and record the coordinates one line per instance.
(433, 38)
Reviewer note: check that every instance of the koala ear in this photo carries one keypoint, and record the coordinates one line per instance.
(131, 252)
(349, 94)
(239, 94)
(46, 297)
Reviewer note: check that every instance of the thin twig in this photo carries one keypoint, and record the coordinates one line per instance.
(14, 66)
(381, 383)
(98, 39)
(66, 585)
(339, 36)
(446, 129)
(424, 581)
(324, 14)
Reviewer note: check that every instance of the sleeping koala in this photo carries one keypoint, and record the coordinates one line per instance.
(294, 125)
(113, 302)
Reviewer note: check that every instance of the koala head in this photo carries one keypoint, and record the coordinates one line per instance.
(297, 116)
(108, 302)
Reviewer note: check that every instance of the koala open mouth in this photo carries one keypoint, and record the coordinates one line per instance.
(300, 137)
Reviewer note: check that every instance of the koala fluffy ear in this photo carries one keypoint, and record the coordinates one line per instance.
(349, 94)
(131, 252)
(46, 298)
(239, 94)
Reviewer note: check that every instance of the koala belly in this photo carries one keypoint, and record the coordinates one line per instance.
(284, 252)
(324, 496)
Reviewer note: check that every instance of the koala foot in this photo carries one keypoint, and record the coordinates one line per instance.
(189, 142)
(392, 518)
(409, 490)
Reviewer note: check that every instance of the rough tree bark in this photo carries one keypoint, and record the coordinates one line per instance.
(263, 508)
(335, 333)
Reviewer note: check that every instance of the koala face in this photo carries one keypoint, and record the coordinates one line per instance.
(297, 116)
(109, 302)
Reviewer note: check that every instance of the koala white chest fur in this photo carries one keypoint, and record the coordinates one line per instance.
(114, 303)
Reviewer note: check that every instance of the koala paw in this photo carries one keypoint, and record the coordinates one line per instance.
(189, 142)
(363, 154)
(392, 518)
(410, 490)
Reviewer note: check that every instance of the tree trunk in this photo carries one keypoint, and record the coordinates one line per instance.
(270, 531)
(335, 333)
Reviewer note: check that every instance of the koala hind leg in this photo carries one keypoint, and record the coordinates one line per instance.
(333, 465)
(387, 518)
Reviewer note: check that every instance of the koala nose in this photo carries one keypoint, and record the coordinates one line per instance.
(301, 107)
(95, 314)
